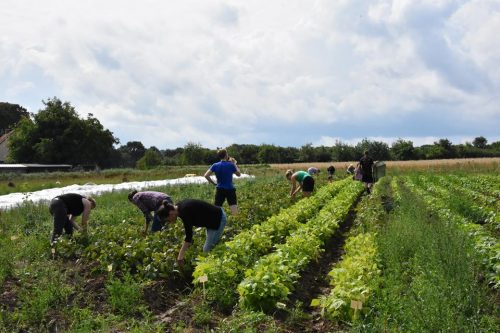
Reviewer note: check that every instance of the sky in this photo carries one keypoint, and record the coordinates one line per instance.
(288, 73)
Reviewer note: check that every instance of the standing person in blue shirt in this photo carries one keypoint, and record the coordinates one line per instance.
(301, 180)
(149, 202)
(224, 170)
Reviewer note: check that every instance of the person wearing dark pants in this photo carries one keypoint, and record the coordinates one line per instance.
(148, 202)
(64, 210)
(195, 213)
(366, 164)
(300, 180)
(225, 190)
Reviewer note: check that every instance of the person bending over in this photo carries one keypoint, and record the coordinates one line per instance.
(300, 180)
(195, 213)
(64, 210)
(149, 202)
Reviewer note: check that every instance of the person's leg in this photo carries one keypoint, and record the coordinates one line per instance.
(232, 201)
(157, 223)
(307, 186)
(68, 226)
(213, 236)
(220, 196)
(59, 216)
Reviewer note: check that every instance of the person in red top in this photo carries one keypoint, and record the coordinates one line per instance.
(64, 210)
(195, 213)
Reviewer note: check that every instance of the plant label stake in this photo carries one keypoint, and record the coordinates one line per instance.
(202, 279)
(53, 250)
(356, 305)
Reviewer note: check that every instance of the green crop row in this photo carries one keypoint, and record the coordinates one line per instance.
(467, 203)
(353, 279)
(486, 245)
(224, 267)
(274, 275)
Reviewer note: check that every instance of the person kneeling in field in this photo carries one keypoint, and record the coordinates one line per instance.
(300, 180)
(64, 210)
(195, 213)
(147, 202)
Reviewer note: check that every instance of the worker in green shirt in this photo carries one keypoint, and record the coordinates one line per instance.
(301, 180)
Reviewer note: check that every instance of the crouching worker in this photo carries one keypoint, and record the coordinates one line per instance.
(195, 213)
(64, 210)
(148, 202)
(300, 180)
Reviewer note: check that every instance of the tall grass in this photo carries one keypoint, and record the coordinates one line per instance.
(430, 277)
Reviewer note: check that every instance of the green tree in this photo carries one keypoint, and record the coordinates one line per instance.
(10, 115)
(307, 153)
(343, 152)
(403, 150)
(480, 142)
(268, 154)
(378, 150)
(58, 135)
(194, 154)
(131, 153)
(323, 154)
(151, 159)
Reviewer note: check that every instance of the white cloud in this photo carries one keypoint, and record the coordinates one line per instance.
(218, 72)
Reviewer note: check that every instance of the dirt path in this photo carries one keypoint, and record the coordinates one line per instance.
(314, 280)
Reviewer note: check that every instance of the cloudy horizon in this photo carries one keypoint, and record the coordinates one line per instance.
(287, 73)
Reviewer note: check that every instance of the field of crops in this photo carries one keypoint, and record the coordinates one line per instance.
(420, 254)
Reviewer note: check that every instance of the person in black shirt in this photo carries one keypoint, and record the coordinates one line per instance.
(195, 213)
(366, 164)
(331, 171)
(64, 210)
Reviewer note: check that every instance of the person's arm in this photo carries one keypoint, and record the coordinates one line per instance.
(237, 170)
(182, 253)
(207, 176)
(87, 207)
(295, 186)
(72, 220)
(145, 211)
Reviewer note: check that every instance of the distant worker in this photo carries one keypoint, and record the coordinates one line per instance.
(64, 210)
(350, 169)
(195, 213)
(300, 180)
(313, 171)
(330, 170)
(366, 163)
(149, 202)
(225, 190)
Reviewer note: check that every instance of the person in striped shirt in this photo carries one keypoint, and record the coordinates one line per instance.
(149, 202)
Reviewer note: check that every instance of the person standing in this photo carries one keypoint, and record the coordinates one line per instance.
(366, 163)
(64, 210)
(330, 170)
(225, 190)
(148, 202)
(301, 180)
(195, 213)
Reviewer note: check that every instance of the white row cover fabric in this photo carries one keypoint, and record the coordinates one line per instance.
(15, 199)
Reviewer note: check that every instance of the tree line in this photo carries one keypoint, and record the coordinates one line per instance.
(58, 135)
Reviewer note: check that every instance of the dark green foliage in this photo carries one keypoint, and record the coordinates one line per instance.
(58, 135)
(10, 114)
